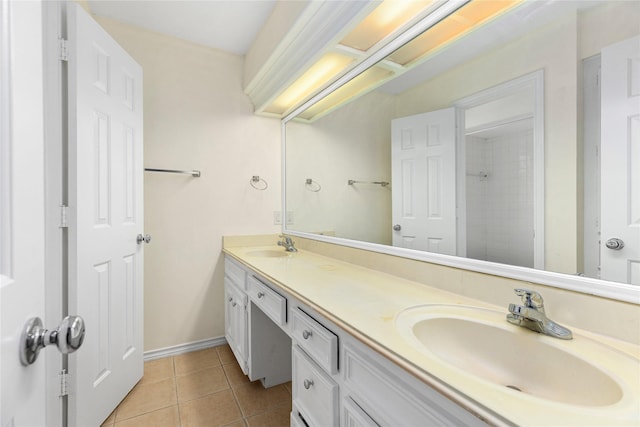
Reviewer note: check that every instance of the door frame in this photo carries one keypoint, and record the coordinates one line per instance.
(536, 80)
(591, 191)
(55, 124)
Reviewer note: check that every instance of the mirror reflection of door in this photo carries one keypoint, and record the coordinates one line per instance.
(620, 162)
(479, 196)
(423, 158)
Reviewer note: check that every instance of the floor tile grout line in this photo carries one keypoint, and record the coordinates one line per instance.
(235, 397)
(175, 382)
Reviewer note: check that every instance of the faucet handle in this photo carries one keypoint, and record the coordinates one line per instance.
(531, 299)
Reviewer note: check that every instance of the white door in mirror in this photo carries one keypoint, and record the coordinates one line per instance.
(620, 243)
(423, 165)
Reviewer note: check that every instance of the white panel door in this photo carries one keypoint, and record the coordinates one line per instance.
(423, 149)
(620, 160)
(22, 214)
(105, 198)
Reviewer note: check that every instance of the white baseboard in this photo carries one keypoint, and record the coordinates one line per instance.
(183, 348)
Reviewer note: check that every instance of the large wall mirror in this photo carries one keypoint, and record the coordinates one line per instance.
(488, 154)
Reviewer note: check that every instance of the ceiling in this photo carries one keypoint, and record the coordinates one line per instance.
(228, 25)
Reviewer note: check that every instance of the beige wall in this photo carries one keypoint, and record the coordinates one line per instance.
(602, 26)
(196, 117)
(282, 19)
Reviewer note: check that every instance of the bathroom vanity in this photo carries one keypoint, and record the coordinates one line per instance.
(364, 348)
(336, 380)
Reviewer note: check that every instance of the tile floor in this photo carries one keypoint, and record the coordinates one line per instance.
(202, 388)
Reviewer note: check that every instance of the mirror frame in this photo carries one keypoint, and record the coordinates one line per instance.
(602, 288)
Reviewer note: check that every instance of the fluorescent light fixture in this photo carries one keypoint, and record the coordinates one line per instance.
(384, 20)
(370, 78)
(454, 26)
(323, 71)
(388, 17)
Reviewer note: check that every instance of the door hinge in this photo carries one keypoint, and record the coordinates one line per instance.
(64, 49)
(64, 216)
(64, 376)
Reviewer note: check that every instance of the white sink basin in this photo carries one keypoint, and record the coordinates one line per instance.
(482, 344)
(268, 253)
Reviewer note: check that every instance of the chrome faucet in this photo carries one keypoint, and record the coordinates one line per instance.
(287, 243)
(531, 315)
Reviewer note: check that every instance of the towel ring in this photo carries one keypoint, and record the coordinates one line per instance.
(309, 185)
(255, 182)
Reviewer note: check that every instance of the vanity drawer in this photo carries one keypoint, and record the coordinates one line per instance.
(296, 418)
(270, 302)
(315, 395)
(319, 342)
(235, 272)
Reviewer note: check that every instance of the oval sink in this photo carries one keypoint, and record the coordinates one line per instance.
(482, 344)
(268, 253)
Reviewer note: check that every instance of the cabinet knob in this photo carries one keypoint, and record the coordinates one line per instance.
(233, 304)
(306, 334)
(260, 294)
(308, 384)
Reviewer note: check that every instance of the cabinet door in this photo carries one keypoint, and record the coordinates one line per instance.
(236, 322)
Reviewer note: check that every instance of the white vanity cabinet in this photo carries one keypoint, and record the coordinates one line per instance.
(336, 379)
(235, 312)
(376, 392)
(255, 316)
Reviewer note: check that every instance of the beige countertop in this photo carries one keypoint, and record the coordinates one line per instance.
(366, 303)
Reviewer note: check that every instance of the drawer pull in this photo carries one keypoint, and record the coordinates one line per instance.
(306, 334)
(233, 304)
(260, 294)
(230, 299)
(308, 384)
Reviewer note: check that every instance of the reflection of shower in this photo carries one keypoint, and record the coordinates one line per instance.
(499, 211)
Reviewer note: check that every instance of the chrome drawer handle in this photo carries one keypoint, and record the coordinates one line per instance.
(260, 294)
(306, 334)
(308, 384)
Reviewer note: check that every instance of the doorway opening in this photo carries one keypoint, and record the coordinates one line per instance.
(499, 184)
(500, 167)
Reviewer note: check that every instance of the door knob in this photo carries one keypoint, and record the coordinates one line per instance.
(397, 227)
(143, 238)
(615, 244)
(68, 337)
